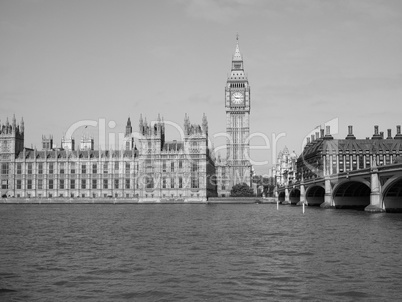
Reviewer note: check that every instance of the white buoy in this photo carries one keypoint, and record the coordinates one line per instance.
(277, 204)
(303, 207)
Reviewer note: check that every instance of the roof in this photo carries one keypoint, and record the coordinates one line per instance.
(355, 145)
(53, 154)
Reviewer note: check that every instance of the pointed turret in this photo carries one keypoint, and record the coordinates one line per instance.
(141, 125)
(22, 125)
(237, 70)
(204, 124)
(186, 124)
(129, 129)
(237, 55)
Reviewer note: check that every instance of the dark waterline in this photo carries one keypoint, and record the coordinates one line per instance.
(197, 253)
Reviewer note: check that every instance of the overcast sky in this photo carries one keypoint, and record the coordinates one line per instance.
(308, 62)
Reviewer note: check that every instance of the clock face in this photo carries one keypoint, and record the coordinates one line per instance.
(237, 98)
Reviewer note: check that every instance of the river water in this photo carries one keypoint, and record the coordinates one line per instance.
(193, 252)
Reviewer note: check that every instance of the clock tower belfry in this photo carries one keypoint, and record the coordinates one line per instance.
(237, 105)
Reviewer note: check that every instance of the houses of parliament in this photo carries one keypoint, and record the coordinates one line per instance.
(149, 169)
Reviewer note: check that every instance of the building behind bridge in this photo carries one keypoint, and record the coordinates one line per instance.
(324, 155)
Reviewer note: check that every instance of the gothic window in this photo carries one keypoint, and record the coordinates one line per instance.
(105, 168)
(40, 168)
(4, 168)
(172, 166)
(116, 165)
(164, 166)
(180, 164)
(94, 184)
(94, 169)
(72, 168)
(51, 184)
(4, 184)
(180, 182)
(127, 183)
(148, 165)
(116, 183)
(172, 182)
(51, 168)
(194, 182)
(61, 183)
(72, 183)
(40, 184)
(61, 168)
(105, 184)
(83, 184)
(127, 168)
(164, 183)
(19, 168)
(29, 170)
(19, 182)
(83, 169)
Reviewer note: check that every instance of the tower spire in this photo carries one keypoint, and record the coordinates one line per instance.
(237, 55)
(129, 128)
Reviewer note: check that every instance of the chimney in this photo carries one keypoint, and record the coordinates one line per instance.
(376, 135)
(350, 133)
(308, 140)
(322, 133)
(317, 135)
(382, 134)
(312, 137)
(398, 132)
(328, 133)
(389, 134)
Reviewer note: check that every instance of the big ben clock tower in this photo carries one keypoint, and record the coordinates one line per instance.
(237, 105)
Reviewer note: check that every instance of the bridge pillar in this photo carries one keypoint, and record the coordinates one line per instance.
(376, 194)
(302, 195)
(287, 200)
(328, 199)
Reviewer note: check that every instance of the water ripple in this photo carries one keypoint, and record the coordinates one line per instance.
(197, 253)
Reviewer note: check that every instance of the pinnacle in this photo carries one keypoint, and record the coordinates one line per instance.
(237, 55)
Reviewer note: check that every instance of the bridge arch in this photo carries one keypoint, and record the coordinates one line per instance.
(392, 194)
(281, 196)
(315, 195)
(352, 194)
(294, 196)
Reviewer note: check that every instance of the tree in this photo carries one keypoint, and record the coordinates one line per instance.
(269, 185)
(241, 190)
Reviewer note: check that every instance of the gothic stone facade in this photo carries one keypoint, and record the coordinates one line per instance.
(236, 168)
(156, 171)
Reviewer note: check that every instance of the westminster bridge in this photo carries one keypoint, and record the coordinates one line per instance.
(374, 189)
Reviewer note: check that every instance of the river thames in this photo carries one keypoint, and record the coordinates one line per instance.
(193, 252)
